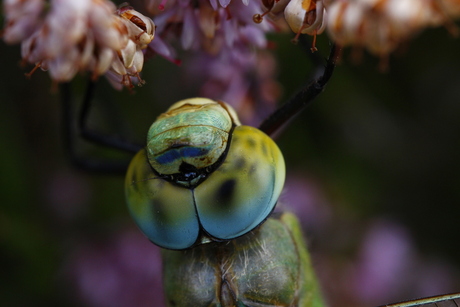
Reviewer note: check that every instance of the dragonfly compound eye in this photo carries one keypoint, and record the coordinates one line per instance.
(203, 177)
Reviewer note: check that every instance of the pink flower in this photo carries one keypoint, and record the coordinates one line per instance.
(124, 270)
(73, 36)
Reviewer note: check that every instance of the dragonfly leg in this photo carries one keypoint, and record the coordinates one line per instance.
(72, 130)
(303, 97)
(96, 137)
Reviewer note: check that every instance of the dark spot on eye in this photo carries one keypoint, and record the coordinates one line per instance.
(251, 143)
(134, 184)
(225, 193)
(264, 149)
(240, 162)
(133, 177)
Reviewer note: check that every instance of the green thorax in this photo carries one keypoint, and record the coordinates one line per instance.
(269, 266)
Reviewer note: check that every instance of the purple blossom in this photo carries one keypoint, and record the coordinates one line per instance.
(124, 270)
(73, 36)
(386, 257)
(226, 59)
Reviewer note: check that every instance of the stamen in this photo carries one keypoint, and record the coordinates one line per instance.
(295, 40)
(29, 74)
(269, 4)
(258, 18)
(139, 79)
(126, 81)
(313, 44)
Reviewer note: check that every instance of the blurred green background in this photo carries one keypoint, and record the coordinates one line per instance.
(378, 145)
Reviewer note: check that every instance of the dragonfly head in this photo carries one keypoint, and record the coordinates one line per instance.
(203, 176)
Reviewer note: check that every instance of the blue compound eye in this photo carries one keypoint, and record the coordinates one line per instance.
(243, 191)
(163, 211)
(185, 189)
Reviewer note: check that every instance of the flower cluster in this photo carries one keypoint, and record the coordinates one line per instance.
(224, 46)
(302, 16)
(377, 25)
(246, 81)
(130, 60)
(381, 26)
(208, 26)
(65, 36)
(71, 36)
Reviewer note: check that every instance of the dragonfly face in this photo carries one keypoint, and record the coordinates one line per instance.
(203, 177)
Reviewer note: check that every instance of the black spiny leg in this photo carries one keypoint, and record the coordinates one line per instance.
(303, 98)
(70, 134)
(97, 137)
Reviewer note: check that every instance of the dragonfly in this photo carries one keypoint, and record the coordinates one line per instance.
(272, 222)
(256, 261)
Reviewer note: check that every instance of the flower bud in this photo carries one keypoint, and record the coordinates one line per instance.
(141, 29)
